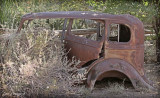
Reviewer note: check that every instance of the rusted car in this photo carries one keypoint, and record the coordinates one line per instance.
(113, 47)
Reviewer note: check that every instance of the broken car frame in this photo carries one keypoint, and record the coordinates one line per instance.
(120, 56)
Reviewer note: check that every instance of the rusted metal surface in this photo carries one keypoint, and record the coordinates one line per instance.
(82, 48)
(116, 68)
(105, 58)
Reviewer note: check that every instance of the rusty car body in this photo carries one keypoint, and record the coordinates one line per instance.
(120, 56)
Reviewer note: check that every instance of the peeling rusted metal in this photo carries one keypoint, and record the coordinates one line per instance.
(118, 59)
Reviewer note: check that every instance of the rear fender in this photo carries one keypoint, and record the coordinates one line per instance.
(98, 70)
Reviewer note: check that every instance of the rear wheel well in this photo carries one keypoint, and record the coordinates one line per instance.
(113, 77)
(112, 73)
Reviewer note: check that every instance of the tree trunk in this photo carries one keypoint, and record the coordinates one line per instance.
(158, 49)
(157, 31)
(156, 26)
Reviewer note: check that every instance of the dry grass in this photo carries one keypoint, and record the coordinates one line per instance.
(35, 63)
(150, 51)
(116, 88)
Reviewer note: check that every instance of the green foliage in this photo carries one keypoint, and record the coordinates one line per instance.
(150, 38)
(12, 10)
(145, 11)
(96, 6)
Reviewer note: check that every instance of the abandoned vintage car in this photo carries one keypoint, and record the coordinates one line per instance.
(114, 47)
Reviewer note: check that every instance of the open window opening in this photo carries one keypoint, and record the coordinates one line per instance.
(89, 29)
(119, 33)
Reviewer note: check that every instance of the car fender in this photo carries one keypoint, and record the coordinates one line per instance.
(100, 67)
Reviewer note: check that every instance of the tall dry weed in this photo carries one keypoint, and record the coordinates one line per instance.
(34, 63)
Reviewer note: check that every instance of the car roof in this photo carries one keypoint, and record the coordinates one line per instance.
(135, 22)
(80, 15)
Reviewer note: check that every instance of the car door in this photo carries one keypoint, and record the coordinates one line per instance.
(84, 49)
